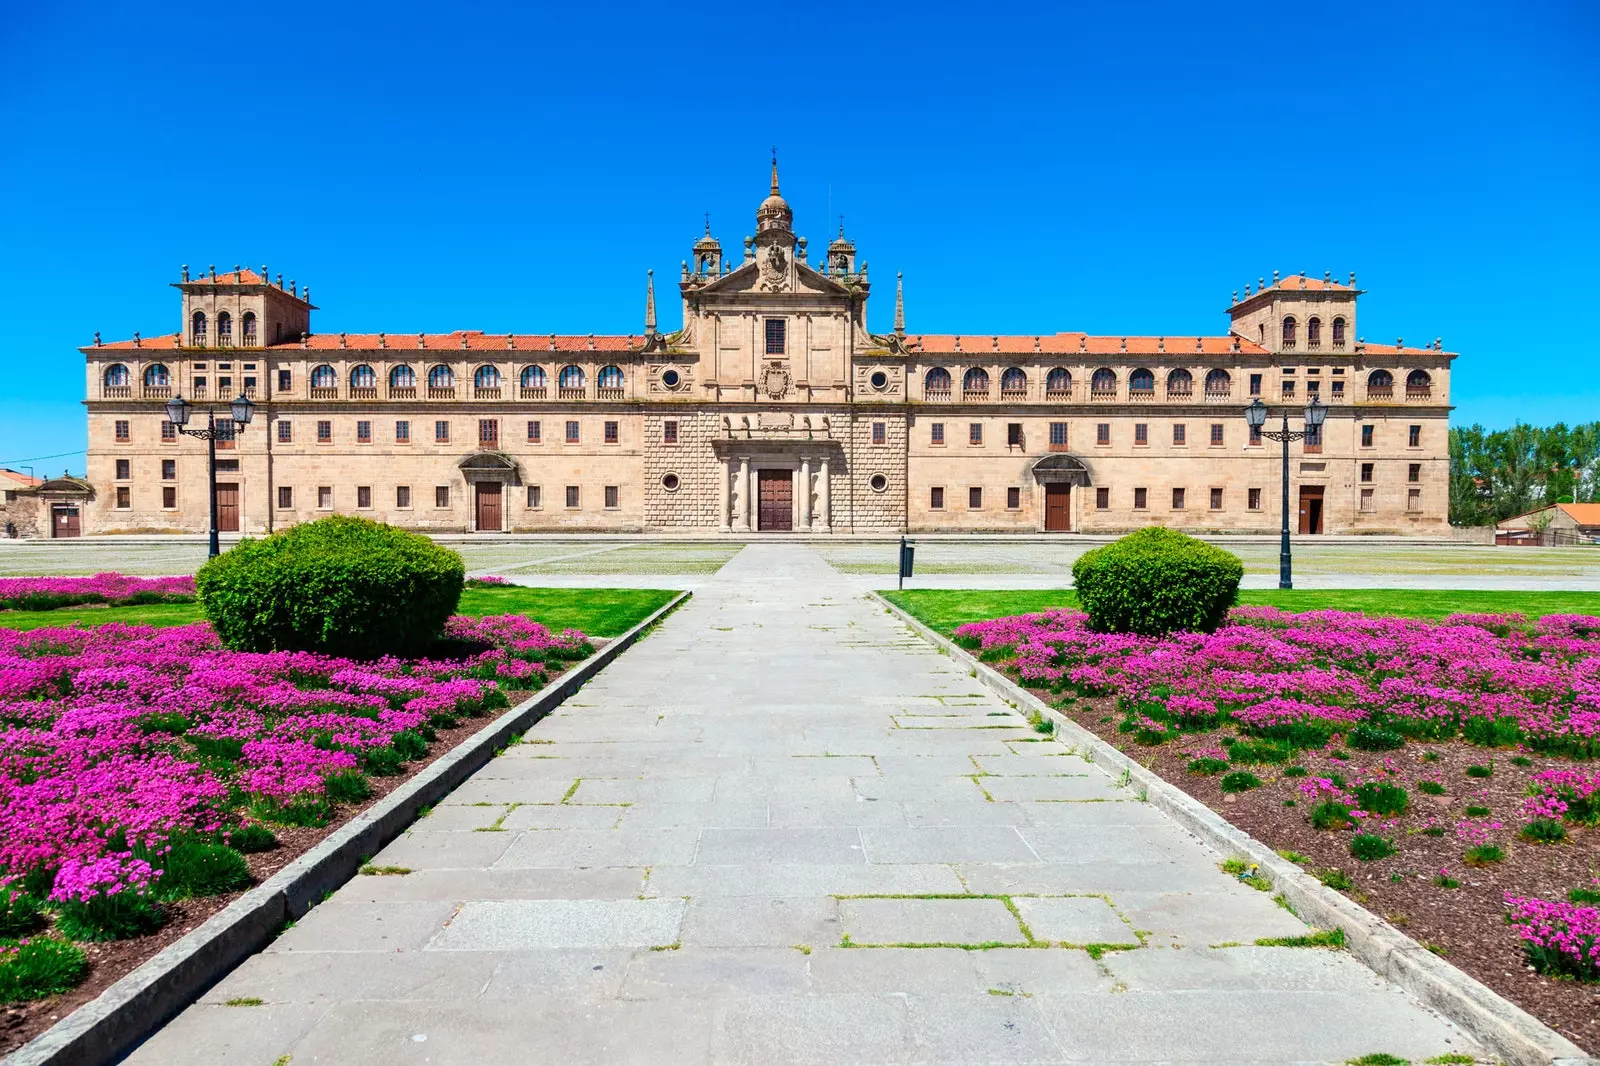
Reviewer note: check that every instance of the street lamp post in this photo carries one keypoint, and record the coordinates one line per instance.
(1256, 415)
(239, 414)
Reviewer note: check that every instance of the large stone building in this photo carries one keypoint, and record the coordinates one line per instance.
(774, 407)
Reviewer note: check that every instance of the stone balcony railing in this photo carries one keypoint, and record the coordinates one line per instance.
(441, 392)
(486, 392)
(157, 392)
(363, 392)
(324, 392)
(610, 392)
(116, 392)
(402, 392)
(1419, 392)
(532, 392)
(1102, 395)
(571, 392)
(937, 395)
(1141, 395)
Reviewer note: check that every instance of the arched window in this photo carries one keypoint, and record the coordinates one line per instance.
(402, 377)
(937, 381)
(116, 375)
(441, 377)
(156, 374)
(1288, 331)
(1180, 383)
(197, 329)
(1141, 380)
(1418, 383)
(323, 377)
(1013, 382)
(533, 377)
(1380, 383)
(975, 380)
(1058, 382)
(1313, 332)
(1338, 333)
(363, 377)
(1218, 383)
(1104, 382)
(486, 377)
(610, 377)
(571, 377)
(249, 324)
(224, 328)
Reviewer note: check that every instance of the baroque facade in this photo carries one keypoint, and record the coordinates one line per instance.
(773, 408)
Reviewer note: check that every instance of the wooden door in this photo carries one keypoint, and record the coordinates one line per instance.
(64, 520)
(489, 496)
(1057, 508)
(1311, 508)
(227, 508)
(775, 501)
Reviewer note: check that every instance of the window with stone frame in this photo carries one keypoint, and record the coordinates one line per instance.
(534, 494)
(1413, 499)
(1255, 384)
(489, 432)
(1255, 435)
(285, 380)
(364, 497)
(1013, 434)
(325, 497)
(1180, 433)
(285, 431)
(1253, 499)
(1414, 437)
(1366, 472)
(1013, 498)
(1367, 503)
(975, 433)
(441, 496)
(1414, 472)
(535, 431)
(324, 431)
(613, 494)
(441, 432)
(1102, 433)
(169, 470)
(1366, 436)
(572, 496)
(936, 498)
(363, 431)
(612, 434)
(775, 336)
(1216, 499)
(124, 497)
(936, 433)
(1058, 436)
(880, 433)
(974, 498)
(1177, 499)
(1141, 433)
(572, 431)
(1102, 499)
(669, 431)
(285, 498)
(122, 431)
(402, 497)
(1217, 432)
(1141, 499)
(169, 432)
(402, 431)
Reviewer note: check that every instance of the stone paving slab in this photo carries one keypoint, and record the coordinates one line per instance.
(666, 871)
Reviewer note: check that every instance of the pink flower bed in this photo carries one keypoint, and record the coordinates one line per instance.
(48, 593)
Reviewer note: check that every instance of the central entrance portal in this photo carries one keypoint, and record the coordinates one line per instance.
(774, 501)
(1311, 508)
(228, 507)
(1057, 507)
(488, 501)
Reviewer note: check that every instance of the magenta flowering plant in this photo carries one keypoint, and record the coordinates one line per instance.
(1558, 937)
(49, 593)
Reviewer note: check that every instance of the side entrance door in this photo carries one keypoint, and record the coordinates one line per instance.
(774, 501)
(1311, 508)
(489, 496)
(227, 508)
(64, 520)
(1057, 508)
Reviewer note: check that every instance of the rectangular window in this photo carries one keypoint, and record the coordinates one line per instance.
(1255, 384)
(880, 433)
(225, 428)
(1102, 499)
(402, 497)
(169, 470)
(1366, 472)
(1414, 437)
(441, 432)
(285, 498)
(572, 432)
(533, 496)
(1313, 439)
(1216, 434)
(169, 432)
(1414, 472)
(325, 497)
(1141, 433)
(1366, 436)
(441, 496)
(1102, 433)
(285, 380)
(364, 497)
(572, 495)
(1216, 499)
(1013, 434)
(1288, 388)
(324, 431)
(124, 497)
(975, 433)
(611, 433)
(1141, 499)
(611, 496)
(1013, 499)
(1253, 500)
(199, 386)
(489, 431)
(1177, 499)
(124, 469)
(669, 431)
(402, 431)
(122, 431)
(224, 387)
(249, 386)
(169, 496)
(1338, 389)
(775, 327)
(936, 498)
(1058, 436)
(1180, 433)
(285, 431)
(936, 433)
(1413, 499)
(1313, 387)
(363, 431)
(535, 431)
(1255, 434)
(1366, 500)
(974, 498)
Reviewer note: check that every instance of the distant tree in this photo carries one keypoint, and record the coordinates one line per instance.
(1496, 474)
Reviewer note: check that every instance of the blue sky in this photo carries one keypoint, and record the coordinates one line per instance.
(1115, 168)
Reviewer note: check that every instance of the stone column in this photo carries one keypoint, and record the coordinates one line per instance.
(744, 494)
(724, 471)
(794, 500)
(823, 492)
(805, 493)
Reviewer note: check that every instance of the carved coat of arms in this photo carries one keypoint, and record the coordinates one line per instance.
(775, 380)
(775, 269)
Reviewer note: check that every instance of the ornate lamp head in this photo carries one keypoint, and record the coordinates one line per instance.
(1256, 414)
(178, 411)
(243, 408)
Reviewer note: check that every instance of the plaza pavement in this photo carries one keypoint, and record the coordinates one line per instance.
(670, 869)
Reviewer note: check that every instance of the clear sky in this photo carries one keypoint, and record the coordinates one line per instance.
(1110, 167)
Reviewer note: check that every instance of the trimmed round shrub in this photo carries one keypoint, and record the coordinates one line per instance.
(1157, 581)
(342, 586)
(39, 967)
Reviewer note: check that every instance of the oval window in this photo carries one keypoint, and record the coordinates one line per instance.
(670, 379)
(878, 482)
(880, 380)
(670, 481)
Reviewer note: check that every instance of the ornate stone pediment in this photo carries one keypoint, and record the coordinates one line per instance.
(1061, 469)
(490, 466)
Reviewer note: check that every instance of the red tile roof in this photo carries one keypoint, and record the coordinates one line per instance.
(1585, 514)
(1080, 343)
(229, 277)
(470, 340)
(1310, 284)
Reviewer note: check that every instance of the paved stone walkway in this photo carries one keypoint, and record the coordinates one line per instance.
(773, 831)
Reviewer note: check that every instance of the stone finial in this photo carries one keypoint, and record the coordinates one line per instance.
(1161, 344)
(305, 294)
(97, 338)
(1083, 343)
(1247, 290)
(995, 342)
(342, 343)
(899, 304)
(238, 272)
(1438, 344)
(1235, 342)
(1352, 279)
(591, 342)
(383, 341)
(291, 287)
(265, 277)
(186, 272)
(1236, 295)
(1261, 283)
(650, 301)
(511, 341)
(1124, 346)
(1036, 344)
(958, 342)
(136, 342)
(1199, 344)
(1302, 279)
(1327, 277)
(463, 341)
(1274, 279)
(213, 268)
(801, 254)
(280, 279)
(552, 342)
(683, 265)
(422, 340)
(1399, 342)
(305, 340)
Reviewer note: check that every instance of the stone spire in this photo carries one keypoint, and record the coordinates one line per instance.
(899, 305)
(774, 212)
(650, 302)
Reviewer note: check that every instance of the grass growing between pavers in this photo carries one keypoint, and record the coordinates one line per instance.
(597, 612)
(1029, 940)
(942, 610)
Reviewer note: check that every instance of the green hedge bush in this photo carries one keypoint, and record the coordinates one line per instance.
(340, 585)
(1156, 581)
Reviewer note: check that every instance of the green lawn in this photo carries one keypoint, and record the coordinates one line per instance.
(597, 612)
(944, 609)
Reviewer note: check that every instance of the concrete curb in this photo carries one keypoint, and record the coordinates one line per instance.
(1494, 1021)
(108, 1027)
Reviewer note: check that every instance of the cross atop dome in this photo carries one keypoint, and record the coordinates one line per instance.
(774, 212)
